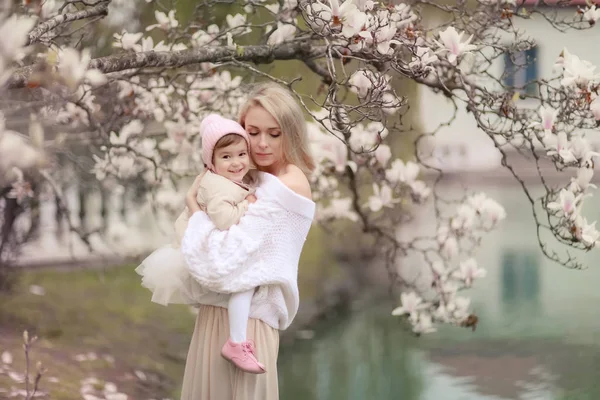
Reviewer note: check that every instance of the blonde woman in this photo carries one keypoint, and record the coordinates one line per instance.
(261, 251)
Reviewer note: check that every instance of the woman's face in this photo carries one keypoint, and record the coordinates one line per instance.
(266, 143)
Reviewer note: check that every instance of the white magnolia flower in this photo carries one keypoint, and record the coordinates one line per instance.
(14, 34)
(128, 41)
(363, 40)
(464, 218)
(559, 145)
(458, 307)
(402, 15)
(442, 314)
(492, 211)
(420, 190)
(73, 68)
(449, 287)
(452, 44)
(353, 22)
(236, 24)
(489, 209)
(577, 72)
(424, 324)
(582, 181)
(411, 305)
(201, 38)
(364, 5)
(567, 203)
(384, 38)
(469, 271)
(365, 138)
(132, 128)
(381, 198)
(400, 172)
(422, 59)
(345, 16)
(439, 268)
(548, 116)
(390, 103)
(581, 150)
(591, 14)
(318, 15)
(586, 233)
(165, 22)
(449, 248)
(281, 34)
(7, 357)
(361, 82)
(338, 208)
(383, 154)
(335, 150)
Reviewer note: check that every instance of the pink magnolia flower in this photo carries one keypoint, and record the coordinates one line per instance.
(453, 45)
(567, 203)
(469, 271)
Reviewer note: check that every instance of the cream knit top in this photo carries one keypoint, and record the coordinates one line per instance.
(262, 251)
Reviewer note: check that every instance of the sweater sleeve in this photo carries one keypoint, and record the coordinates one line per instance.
(224, 212)
(220, 260)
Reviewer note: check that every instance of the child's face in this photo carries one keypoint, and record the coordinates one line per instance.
(233, 161)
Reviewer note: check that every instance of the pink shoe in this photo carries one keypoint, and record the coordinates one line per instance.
(242, 356)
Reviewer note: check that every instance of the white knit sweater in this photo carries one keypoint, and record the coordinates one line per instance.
(262, 251)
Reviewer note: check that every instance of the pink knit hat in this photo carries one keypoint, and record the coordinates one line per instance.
(212, 128)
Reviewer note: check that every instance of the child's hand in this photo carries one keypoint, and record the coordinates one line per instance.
(251, 198)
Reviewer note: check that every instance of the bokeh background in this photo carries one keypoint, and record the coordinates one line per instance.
(539, 330)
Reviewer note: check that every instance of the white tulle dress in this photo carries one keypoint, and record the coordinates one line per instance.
(165, 274)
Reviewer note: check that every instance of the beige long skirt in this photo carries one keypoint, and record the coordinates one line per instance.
(208, 376)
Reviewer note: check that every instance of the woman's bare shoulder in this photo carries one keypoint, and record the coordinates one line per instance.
(294, 178)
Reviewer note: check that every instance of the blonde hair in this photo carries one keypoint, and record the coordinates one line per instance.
(279, 102)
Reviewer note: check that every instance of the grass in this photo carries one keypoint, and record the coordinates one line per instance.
(109, 314)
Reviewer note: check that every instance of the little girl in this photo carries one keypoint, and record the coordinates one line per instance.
(225, 190)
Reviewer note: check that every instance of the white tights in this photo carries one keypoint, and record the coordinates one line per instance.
(239, 311)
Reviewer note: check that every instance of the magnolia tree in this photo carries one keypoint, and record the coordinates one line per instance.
(172, 73)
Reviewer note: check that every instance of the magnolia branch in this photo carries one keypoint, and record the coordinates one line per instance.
(166, 59)
(100, 9)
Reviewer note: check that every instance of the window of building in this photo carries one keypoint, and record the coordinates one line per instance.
(520, 276)
(521, 70)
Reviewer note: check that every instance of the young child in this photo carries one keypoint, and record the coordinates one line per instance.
(224, 193)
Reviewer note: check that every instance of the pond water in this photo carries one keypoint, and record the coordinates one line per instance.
(538, 336)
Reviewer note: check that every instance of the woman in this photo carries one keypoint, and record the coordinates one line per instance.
(261, 251)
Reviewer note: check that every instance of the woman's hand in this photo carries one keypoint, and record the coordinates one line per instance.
(190, 198)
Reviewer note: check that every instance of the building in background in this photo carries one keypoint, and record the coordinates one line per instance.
(461, 146)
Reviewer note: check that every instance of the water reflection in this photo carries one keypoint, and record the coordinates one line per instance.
(365, 357)
(538, 337)
(372, 356)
